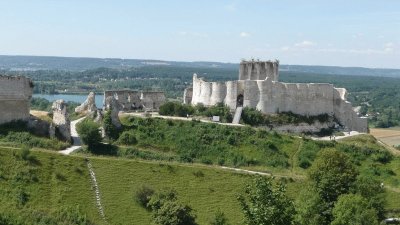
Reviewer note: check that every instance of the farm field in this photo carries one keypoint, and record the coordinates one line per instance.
(389, 136)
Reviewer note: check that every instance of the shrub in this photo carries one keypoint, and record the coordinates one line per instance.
(198, 173)
(219, 219)
(382, 157)
(143, 195)
(167, 109)
(168, 211)
(25, 153)
(127, 138)
(252, 116)
(89, 132)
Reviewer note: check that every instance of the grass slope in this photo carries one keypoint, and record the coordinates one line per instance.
(48, 180)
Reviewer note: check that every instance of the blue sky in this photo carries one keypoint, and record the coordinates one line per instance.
(337, 32)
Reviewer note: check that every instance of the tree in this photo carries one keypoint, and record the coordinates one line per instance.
(109, 129)
(311, 209)
(89, 133)
(266, 204)
(332, 174)
(168, 211)
(371, 189)
(167, 109)
(353, 209)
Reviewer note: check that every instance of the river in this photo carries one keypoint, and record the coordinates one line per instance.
(72, 98)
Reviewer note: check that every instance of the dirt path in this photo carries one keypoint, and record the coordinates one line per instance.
(75, 138)
(156, 115)
(328, 138)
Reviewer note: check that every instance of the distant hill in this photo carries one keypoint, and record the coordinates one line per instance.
(28, 63)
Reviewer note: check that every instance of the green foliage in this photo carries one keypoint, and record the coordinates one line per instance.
(209, 143)
(127, 138)
(168, 211)
(143, 196)
(252, 116)
(332, 173)
(373, 192)
(352, 209)
(109, 129)
(265, 204)
(219, 219)
(40, 104)
(18, 133)
(89, 133)
(182, 110)
(311, 209)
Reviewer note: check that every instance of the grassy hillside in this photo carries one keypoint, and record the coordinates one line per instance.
(43, 183)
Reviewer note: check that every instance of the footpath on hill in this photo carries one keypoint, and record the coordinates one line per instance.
(76, 141)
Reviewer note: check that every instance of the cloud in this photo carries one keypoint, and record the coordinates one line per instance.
(285, 48)
(304, 44)
(244, 34)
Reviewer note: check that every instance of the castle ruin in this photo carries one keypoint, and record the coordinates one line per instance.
(259, 87)
(15, 96)
(134, 100)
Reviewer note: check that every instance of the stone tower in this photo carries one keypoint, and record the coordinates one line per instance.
(259, 70)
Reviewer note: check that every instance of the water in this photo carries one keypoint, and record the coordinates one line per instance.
(72, 98)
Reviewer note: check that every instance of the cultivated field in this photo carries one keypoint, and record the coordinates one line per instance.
(389, 136)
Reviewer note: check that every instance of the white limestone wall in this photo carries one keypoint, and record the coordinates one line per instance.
(270, 96)
(231, 94)
(251, 94)
(345, 114)
(218, 93)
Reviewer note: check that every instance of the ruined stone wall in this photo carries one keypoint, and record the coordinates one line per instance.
(15, 95)
(259, 70)
(187, 95)
(131, 100)
(127, 99)
(61, 123)
(152, 100)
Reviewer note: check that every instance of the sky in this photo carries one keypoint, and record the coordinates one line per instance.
(363, 33)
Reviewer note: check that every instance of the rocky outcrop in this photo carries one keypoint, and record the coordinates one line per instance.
(110, 103)
(61, 126)
(88, 106)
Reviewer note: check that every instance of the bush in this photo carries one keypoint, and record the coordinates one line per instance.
(168, 211)
(89, 133)
(382, 157)
(219, 219)
(252, 116)
(143, 196)
(127, 138)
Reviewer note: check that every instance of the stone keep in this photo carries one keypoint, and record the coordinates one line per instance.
(258, 87)
(15, 96)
